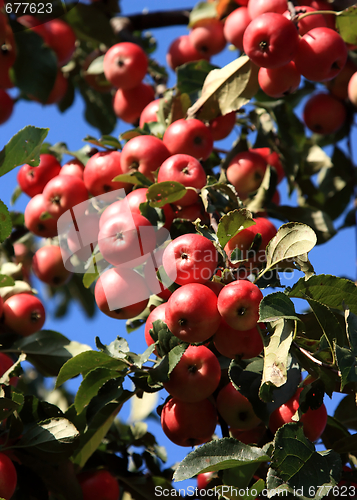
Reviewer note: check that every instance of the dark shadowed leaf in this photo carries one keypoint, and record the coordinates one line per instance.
(275, 306)
(5, 222)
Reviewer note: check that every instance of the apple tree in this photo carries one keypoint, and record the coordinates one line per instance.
(184, 242)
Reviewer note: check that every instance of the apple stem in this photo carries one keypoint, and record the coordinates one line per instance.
(306, 14)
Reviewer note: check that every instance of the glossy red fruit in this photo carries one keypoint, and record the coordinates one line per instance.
(32, 180)
(8, 477)
(352, 89)
(190, 137)
(64, 192)
(207, 37)
(188, 424)
(125, 238)
(258, 7)
(235, 26)
(246, 171)
(6, 106)
(272, 158)
(321, 54)
(271, 40)
(149, 113)
(145, 154)
(196, 376)
(98, 484)
(150, 273)
(48, 266)
(186, 170)
(279, 82)
(121, 293)
(61, 38)
(232, 343)
(182, 51)
(191, 313)
(314, 421)
(128, 104)
(222, 126)
(238, 304)
(24, 314)
(5, 364)
(82, 238)
(100, 171)
(324, 114)
(125, 65)
(190, 258)
(156, 314)
(236, 409)
(307, 23)
(251, 436)
(37, 219)
(73, 167)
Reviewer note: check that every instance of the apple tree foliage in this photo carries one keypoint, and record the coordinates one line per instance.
(49, 445)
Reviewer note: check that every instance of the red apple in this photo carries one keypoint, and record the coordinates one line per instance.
(128, 104)
(190, 137)
(182, 51)
(236, 409)
(235, 26)
(24, 314)
(125, 65)
(32, 180)
(246, 171)
(234, 343)
(36, 219)
(207, 37)
(97, 484)
(48, 266)
(324, 114)
(100, 171)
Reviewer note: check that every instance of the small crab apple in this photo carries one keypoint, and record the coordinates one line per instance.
(8, 475)
(37, 219)
(192, 212)
(338, 86)
(232, 343)
(258, 7)
(121, 293)
(125, 65)
(321, 54)
(272, 158)
(314, 421)
(352, 89)
(307, 23)
(100, 171)
(128, 104)
(246, 171)
(6, 106)
(62, 193)
(235, 26)
(60, 37)
(196, 376)
(191, 313)
(251, 436)
(324, 114)
(48, 266)
(190, 137)
(32, 180)
(236, 409)
(126, 237)
(188, 424)
(156, 314)
(145, 154)
(271, 40)
(149, 113)
(24, 314)
(186, 170)
(97, 484)
(151, 268)
(182, 51)
(73, 167)
(190, 258)
(5, 364)
(207, 37)
(138, 196)
(279, 82)
(82, 237)
(238, 304)
(222, 126)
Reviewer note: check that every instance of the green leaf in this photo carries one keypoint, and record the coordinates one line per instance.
(5, 222)
(292, 242)
(15, 195)
(191, 76)
(276, 357)
(296, 465)
(226, 89)
(35, 68)
(6, 280)
(275, 306)
(86, 362)
(161, 193)
(106, 141)
(91, 384)
(346, 24)
(165, 366)
(91, 25)
(351, 329)
(98, 107)
(218, 455)
(332, 291)
(347, 364)
(23, 147)
(345, 413)
(232, 223)
(136, 178)
(202, 11)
